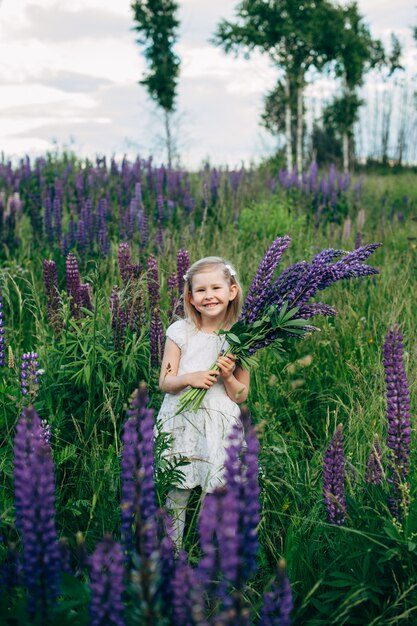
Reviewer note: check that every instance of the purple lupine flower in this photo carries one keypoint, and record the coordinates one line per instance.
(81, 234)
(167, 566)
(156, 338)
(398, 417)
(187, 602)
(86, 296)
(258, 291)
(47, 218)
(138, 501)
(143, 229)
(73, 285)
(106, 584)
(2, 342)
(227, 528)
(333, 479)
(124, 262)
(153, 282)
(374, 470)
(35, 512)
(358, 240)
(46, 432)
(278, 601)
(183, 263)
(173, 295)
(29, 371)
(159, 236)
(57, 210)
(50, 279)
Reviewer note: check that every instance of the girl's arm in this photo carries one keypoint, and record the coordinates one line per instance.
(171, 382)
(236, 380)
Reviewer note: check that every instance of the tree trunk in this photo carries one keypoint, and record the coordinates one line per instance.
(345, 135)
(386, 125)
(168, 137)
(345, 152)
(288, 132)
(300, 123)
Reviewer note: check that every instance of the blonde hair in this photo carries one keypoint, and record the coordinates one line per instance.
(229, 273)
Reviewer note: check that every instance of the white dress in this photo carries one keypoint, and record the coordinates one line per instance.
(201, 436)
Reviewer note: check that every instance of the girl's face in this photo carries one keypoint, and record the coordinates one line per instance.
(211, 293)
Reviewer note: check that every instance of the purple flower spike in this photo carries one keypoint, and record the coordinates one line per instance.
(73, 285)
(138, 502)
(106, 584)
(29, 381)
(2, 342)
(35, 512)
(278, 602)
(86, 296)
(188, 606)
(50, 279)
(124, 262)
(333, 479)
(156, 338)
(153, 282)
(374, 464)
(259, 289)
(398, 416)
(183, 263)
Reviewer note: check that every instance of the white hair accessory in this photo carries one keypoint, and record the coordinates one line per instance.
(231, 270)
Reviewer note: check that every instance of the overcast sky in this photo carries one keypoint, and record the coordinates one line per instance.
(69, 74)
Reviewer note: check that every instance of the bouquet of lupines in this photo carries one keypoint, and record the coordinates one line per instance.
(277, 308)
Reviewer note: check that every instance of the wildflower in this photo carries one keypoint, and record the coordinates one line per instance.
(153, 282)
(73, 285)
(138, 502)
(124, 262)
(106, 584)
(35, 512)
(156, 337)
(50, 278)
(29, 370)
(118, 319)
(398, 416)
(258, 291)
(10, 358)
(278, 601)
(333, 479)
(228, 526)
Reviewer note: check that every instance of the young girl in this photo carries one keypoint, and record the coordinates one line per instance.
(212, 299)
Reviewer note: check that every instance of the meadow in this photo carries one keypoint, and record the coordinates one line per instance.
(121, 227)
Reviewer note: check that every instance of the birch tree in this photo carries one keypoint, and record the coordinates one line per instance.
(295, 36)
(157, 25)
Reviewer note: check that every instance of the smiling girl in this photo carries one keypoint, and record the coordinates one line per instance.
(212, 299)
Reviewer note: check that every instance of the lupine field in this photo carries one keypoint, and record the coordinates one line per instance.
(317, 523)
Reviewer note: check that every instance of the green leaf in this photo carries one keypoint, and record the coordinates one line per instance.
(232, 338)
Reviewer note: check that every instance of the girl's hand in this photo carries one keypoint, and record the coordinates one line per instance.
(227, 365)
(203, 379)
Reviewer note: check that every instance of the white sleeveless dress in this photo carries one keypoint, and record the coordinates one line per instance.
(201, 436)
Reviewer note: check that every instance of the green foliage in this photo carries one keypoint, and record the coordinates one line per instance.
(156, 23)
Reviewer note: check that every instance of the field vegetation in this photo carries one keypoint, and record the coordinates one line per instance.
(93, 353)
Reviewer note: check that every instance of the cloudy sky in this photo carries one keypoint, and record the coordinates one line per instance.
(69, 76)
